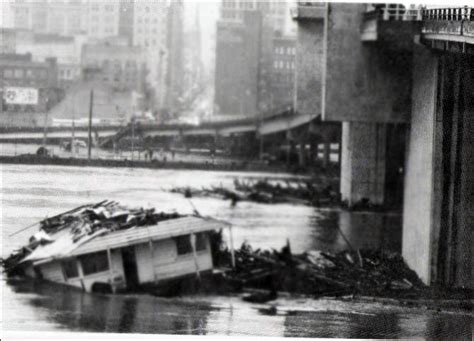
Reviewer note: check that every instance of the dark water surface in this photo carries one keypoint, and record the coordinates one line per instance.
(29, 193)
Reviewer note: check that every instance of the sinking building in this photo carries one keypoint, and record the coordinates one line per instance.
(108, 248)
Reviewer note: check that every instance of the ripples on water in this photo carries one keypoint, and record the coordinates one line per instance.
(29, 193)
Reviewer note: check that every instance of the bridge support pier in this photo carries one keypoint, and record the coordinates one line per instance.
(363, 162)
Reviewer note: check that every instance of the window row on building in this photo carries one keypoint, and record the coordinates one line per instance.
(21, 73)
(280, 64)
(283, 79)
(285, 50)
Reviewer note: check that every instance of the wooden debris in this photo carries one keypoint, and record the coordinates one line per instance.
(300, 192)
(320, 273)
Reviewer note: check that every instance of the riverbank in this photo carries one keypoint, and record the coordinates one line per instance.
(231, 166)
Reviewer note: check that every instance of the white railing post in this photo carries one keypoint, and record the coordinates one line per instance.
(385, 15)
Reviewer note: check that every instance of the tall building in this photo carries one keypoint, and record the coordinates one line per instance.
(102, 18)
(175, 46)
(193, 63)
(150, 32)
(49, 16)
(120, 66)
(7, 40)
(237, 65)
(272, 76)
(126, 17)
(142, 23)
(275, 13)
(282, 85)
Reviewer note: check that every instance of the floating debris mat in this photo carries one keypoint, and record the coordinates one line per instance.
(304, 192)
(364, 272)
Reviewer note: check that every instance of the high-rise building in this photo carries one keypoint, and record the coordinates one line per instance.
(120, 66)
(126, 17)
(175, 46)
(102, 18)
(142, 23)
(275, 13)
(282, 85)
(238, 50)
(49, 16)
(150, 32)
(271, 85)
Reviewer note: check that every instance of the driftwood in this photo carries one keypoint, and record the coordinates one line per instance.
(321, 273)
(301, 192)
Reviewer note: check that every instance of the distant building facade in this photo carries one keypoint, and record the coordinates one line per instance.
(175, 47)
(282, 86)
(102, 18)
(66, 50)
(243, 44)
(237, 65)
(120, 66)
(59, 17)
(126, 17)
(7, 41)
(276, 13)
(142, 23)
(20, 71)
(150, 33)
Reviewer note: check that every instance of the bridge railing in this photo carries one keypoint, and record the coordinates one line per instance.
(393, 12)
(306, 10)
(453, 21)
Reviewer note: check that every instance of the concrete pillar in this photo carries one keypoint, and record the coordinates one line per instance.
(438, 201)
(465, 213)
(363, 162)
(419, 200)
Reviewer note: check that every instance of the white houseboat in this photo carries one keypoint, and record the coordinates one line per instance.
(125, 259)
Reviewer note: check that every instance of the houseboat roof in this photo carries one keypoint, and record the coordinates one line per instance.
(65, 247)
(163, 230)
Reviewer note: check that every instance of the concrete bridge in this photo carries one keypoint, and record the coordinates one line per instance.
(283, 122)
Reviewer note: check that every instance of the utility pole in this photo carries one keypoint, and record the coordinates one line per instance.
(73, 128)
(45, 132)
(133, 135)
(91, 105)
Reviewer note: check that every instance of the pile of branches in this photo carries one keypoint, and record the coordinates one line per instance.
(103, 217)
(304, 192)
(362, 272)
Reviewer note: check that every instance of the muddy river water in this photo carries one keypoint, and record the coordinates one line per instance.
(30, 193)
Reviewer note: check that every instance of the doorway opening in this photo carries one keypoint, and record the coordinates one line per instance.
(130, 267)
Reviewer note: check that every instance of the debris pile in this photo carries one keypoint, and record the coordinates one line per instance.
(306, 192)
(363, 272)
(84, 222)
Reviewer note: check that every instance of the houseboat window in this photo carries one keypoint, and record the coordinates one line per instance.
(70, 268)
(183, 245)
(94, 262)
(200, 241)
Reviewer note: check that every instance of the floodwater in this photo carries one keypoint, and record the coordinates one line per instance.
(30, 193)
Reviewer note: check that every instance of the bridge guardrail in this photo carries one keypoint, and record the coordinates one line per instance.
(455, 21)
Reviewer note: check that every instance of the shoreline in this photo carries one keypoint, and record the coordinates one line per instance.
(178, 165)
